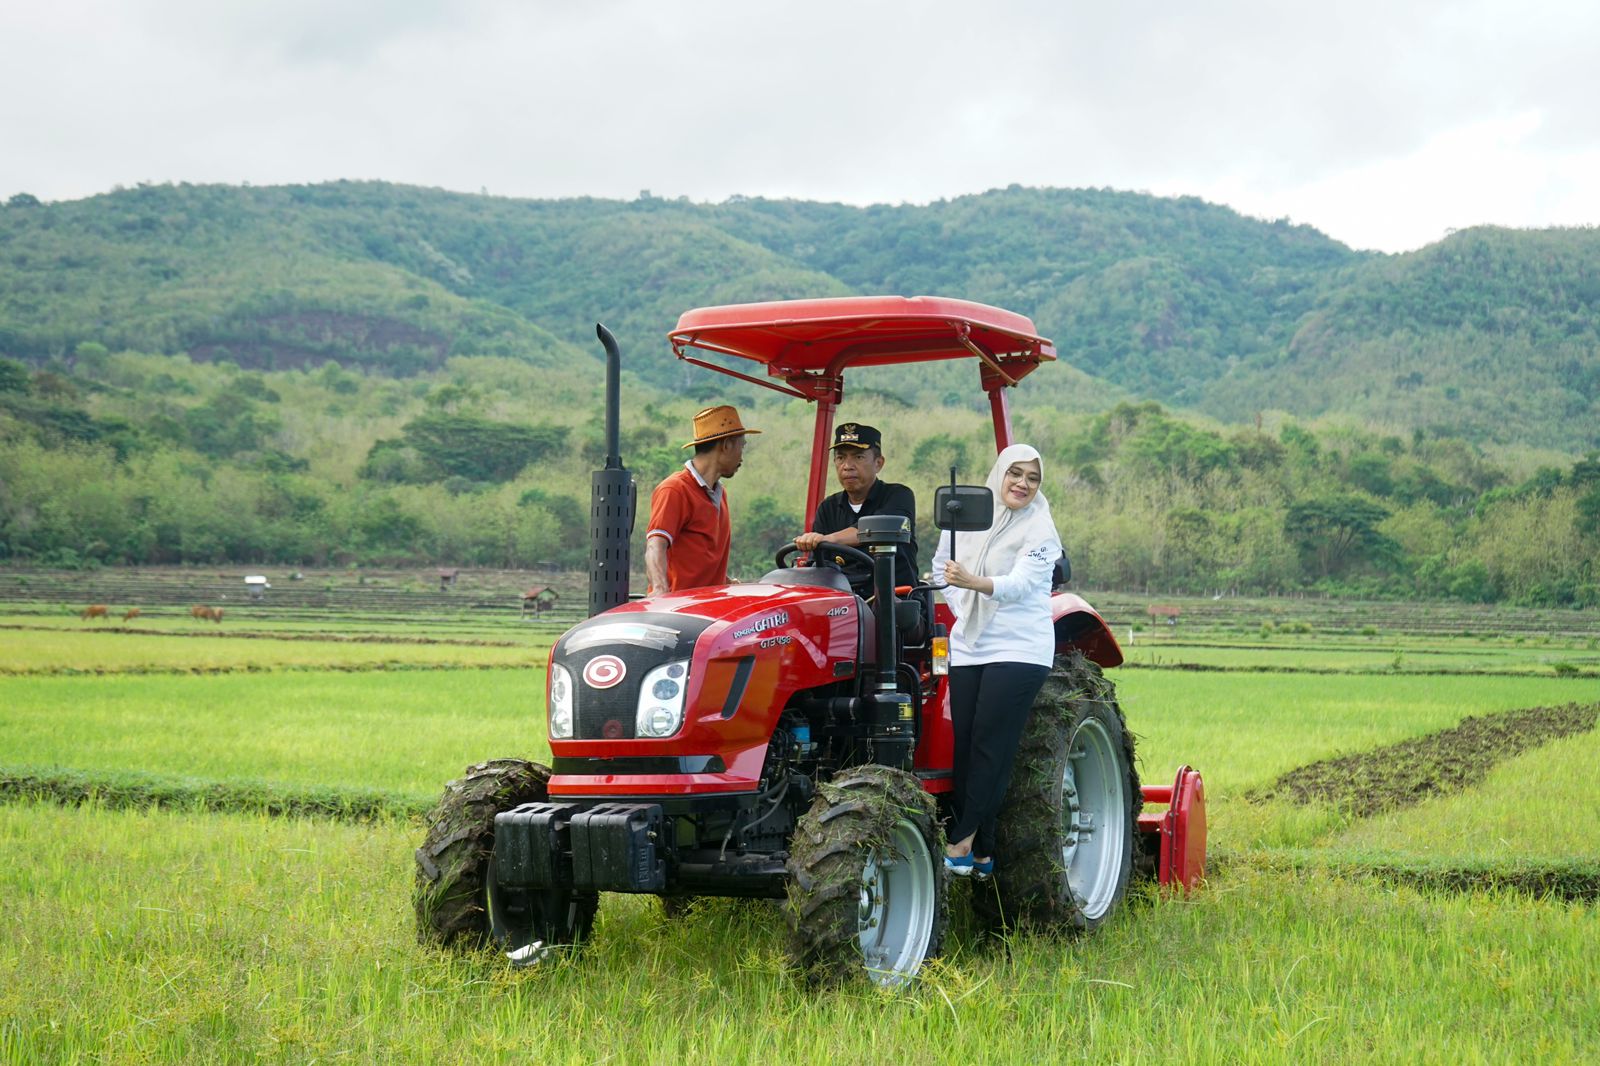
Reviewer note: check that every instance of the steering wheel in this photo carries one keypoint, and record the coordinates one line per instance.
(824, 555)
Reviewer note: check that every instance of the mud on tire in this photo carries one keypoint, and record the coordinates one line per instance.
(1065, 843)
(867, 883)
(453, 863)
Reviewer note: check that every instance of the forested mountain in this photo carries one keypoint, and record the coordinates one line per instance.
(366, 373)
(1490, 335)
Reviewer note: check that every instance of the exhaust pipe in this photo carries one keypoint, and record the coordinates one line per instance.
(611, 500)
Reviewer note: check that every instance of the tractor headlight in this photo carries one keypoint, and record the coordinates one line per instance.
(560, 702)
(661, 700)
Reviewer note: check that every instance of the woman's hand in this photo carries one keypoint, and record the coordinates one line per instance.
(962, 578)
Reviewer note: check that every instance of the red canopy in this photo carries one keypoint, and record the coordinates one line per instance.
(809, 343)
(800, 338)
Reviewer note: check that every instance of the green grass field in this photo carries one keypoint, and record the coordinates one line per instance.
(181, 936)
(170, 937)
(408, 732)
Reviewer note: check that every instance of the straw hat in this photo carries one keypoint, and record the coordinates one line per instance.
(714, 423)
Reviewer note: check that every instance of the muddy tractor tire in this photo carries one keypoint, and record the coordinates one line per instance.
(457, 900)
(1065, 843)
(867, 883)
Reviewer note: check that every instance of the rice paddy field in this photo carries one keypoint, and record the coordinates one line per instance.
(207, 830)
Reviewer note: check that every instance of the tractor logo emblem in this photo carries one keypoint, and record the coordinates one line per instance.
(604, 671)
(762, 624)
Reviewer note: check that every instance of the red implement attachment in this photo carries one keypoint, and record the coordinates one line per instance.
(1181, 827)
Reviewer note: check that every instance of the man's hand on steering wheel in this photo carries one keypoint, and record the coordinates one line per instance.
(834, 557)
(808, 541)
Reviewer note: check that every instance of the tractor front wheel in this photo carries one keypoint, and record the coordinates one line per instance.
(1065, 840)
(867, 879)
(457, 899)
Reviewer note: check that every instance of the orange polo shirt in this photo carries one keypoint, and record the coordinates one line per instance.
(694, 519)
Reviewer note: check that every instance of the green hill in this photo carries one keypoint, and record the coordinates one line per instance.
(1489, 335)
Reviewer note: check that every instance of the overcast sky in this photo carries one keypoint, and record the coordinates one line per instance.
(1384, 123)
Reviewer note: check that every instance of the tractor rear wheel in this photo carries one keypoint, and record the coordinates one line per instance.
(1065, 841)
(867, 879)
(457, 899)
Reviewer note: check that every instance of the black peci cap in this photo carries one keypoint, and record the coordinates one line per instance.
(856, 435)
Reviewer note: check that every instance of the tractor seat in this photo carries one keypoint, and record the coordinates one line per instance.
(821, 576)
(911, 622)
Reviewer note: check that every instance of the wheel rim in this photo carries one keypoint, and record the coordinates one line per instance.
(895, 918)
(1094, 817)
(514, 929)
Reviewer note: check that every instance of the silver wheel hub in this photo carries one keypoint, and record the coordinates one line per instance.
(895, 909)
(1094, 803)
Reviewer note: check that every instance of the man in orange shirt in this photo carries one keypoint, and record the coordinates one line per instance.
(686, 543)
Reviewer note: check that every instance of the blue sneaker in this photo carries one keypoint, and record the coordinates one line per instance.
(961, 866)
(983, 870)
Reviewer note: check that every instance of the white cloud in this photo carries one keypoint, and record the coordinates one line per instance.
(1382, 121)
(1490, 172)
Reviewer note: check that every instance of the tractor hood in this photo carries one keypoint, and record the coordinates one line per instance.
(744, 649)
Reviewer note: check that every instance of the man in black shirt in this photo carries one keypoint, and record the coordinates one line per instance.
(857, 460)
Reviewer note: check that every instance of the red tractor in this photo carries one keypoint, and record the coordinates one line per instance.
(786, 738)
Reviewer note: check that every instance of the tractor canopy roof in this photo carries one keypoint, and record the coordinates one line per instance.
(808, 343)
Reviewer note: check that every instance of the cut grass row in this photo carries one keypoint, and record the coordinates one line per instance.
(127, 790)
(153, 936)
(1367, 655)
(1540, 806)
(1527, 824)
(59, 651)
(26, 648)
(331, 623)
(1244, 730)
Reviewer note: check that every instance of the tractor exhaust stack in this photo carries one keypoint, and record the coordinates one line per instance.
(611, 500)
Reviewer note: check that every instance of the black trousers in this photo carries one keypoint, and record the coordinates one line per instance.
(989, 706)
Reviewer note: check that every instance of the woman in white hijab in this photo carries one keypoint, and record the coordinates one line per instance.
(998, 586)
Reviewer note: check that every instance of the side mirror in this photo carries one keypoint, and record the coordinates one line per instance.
(963, 508)
(1063, 572)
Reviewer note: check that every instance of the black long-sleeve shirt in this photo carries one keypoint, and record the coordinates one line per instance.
(835, 513)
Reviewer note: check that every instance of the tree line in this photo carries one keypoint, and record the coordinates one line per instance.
(131, 458)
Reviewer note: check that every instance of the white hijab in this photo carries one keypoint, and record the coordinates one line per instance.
(995, 551)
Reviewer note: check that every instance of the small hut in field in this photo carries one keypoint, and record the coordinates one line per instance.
(536, 602)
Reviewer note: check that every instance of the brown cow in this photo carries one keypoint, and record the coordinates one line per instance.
(97, 610)
(130, 614)
(211, 614)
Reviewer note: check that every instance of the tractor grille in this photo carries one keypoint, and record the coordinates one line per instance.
(609, 713)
